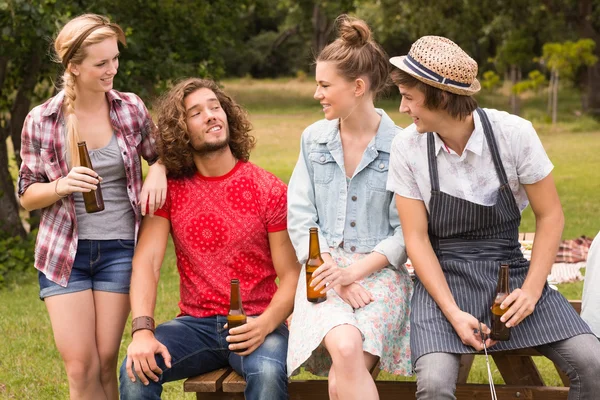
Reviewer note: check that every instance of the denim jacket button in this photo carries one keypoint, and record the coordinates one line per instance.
(322, 158)
(381, 166)
(353, 224)
(354, 198)
(353, 248)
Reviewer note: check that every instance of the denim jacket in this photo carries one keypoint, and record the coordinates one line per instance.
(358, 214)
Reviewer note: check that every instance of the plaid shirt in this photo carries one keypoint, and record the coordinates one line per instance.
(42, 148)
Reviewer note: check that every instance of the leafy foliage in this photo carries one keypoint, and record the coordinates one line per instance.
(536, 80)
(490, 81)
(568, 57)
(16, 258)
(564, 59)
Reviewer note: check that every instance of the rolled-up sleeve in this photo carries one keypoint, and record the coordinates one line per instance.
(532, 162)
(148, 129)
(32, 168)
(401, 180)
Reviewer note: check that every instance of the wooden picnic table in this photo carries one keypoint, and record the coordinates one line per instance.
(522, 380)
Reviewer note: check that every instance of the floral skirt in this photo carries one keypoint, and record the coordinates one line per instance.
(383, 323)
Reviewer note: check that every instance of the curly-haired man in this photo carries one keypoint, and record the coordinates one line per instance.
(228, 219)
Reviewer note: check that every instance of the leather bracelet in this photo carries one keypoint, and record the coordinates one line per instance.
(140, 323)
(56, 188)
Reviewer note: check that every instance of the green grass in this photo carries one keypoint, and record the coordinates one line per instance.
(30, 366)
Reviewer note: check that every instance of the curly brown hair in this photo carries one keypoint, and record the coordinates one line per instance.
(172, 137)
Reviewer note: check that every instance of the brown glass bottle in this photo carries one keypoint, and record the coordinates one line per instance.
(236, 316)
(93, 200)
(314, 261)
(499, 331)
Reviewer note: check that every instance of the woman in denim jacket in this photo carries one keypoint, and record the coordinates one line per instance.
(339, 186)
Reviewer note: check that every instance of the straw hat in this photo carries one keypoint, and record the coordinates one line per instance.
(441, 63)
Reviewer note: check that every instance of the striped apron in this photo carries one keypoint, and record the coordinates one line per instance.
(471, 241)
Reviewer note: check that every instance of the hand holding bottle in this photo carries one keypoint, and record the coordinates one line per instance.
(246, 338)
(330, 275)
(79, 179)
(314, 262)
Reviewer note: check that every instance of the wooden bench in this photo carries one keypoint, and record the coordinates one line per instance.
(521, 376)
(227, 384)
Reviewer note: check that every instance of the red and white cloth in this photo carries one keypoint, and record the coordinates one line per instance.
(570, 258)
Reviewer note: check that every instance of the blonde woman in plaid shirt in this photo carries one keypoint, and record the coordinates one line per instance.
(84, 260)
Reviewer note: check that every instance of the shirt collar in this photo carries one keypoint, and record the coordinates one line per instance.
(55, 104)
(382, 140)
(475, 142)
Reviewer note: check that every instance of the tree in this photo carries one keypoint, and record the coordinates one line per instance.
(534, 82)
(582, 18)
(185, 40)
(491, 81)
(317, 17)
(515, 51)
(564, 59)
(22, 66)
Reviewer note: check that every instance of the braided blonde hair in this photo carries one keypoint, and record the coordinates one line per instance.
(66, 38)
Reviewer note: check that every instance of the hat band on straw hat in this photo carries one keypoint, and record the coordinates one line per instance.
(426, 73)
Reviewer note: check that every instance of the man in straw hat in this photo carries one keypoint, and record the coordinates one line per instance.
(462, 176)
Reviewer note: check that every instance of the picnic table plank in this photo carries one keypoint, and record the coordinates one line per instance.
(219, 396)
(389, 390)
(466, 362)
(518, 370)
(209, 382)
(234, 383)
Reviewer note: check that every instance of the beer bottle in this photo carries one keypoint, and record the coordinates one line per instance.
(93, 200)
(499, 331)
(314, 261)
(236, 316)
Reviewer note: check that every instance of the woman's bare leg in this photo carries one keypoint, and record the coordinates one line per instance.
(351, 374)
(112, 310)
(74, 325)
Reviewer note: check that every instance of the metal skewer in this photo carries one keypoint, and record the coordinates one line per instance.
(489, 368)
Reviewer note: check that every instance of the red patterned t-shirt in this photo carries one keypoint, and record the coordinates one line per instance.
(220, 229)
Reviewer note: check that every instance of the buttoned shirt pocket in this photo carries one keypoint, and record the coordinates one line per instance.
(133, 139)
(324, 166)
(51, 164)
(377, 172)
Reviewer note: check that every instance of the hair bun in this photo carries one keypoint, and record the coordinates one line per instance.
(352, 31)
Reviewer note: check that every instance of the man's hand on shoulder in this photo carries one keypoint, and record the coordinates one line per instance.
(249, 336)
(140, 356)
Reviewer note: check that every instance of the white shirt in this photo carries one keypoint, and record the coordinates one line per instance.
(470, 176)
(590, 303)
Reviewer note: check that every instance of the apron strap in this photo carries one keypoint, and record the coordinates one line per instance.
(491, 140)
(432, 160)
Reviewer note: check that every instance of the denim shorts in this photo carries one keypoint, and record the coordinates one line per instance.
(103, 265)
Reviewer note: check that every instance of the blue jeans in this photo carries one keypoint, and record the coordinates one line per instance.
(102, 265)
(198, 345)
(578, 357)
